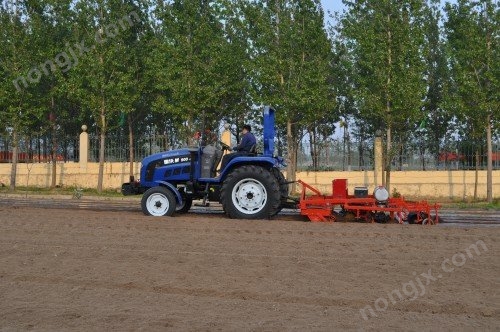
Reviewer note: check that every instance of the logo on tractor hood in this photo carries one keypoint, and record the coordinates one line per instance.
(176, 160)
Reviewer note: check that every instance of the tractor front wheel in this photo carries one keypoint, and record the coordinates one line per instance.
(250, 192)
(184, 207)
(158, 201)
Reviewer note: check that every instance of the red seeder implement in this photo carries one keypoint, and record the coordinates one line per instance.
(378, 207)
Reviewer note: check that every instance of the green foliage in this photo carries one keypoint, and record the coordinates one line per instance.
(472, 32)
(293, 60)
(173, 66)
(199, 63)
(20, 105)
(436, 117)
(385, 40)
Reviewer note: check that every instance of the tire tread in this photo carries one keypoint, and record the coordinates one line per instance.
(268, 179)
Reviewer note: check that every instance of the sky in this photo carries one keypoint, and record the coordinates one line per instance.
(332, 5)
(336, 5)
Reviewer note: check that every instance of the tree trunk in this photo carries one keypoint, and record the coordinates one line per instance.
(13, 171)
(131, 147)
(54, 169)
(53, 151)
(388, 160)
(489, 149)
(291, 167)
(389, 107)
(384, 158)
(327, 153)
(349, 154)
(344, 152)
(476, 175)
(313, 148)
(53, 158)
(102, 141)
(489, 170)
(361, 160)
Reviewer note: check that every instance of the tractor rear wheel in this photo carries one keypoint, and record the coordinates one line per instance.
(283, 187)
(158, 201)
(250, 192)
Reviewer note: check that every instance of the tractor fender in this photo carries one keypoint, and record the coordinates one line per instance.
(244, 160)
(173, 189)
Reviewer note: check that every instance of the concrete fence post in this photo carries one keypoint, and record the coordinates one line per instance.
(84, 148)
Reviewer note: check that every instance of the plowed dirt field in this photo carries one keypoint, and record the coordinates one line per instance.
(68, 269)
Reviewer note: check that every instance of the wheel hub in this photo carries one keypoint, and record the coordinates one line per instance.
(249, 196)
(157, 204)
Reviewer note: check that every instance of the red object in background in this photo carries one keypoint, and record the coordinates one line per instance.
(6, 157)
(450, 156)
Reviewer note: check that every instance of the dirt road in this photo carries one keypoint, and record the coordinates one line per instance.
(66, 269)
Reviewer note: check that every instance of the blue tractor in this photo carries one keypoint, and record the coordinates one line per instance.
(249, 187)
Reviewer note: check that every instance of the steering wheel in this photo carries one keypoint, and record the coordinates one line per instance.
(224, 146)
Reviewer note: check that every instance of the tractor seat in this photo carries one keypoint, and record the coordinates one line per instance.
(253, 150)
(251, 153)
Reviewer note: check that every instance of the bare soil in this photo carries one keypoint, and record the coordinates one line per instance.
(68, 269)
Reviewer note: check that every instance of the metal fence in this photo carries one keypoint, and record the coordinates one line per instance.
(340, 156)
(39, 149)
(117, 147)
(334, 155)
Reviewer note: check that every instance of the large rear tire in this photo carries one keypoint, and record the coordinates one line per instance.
(283, 187)
(158, 202)
(250, 192)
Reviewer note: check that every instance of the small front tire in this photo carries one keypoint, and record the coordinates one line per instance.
(184, 207)
(158, 202)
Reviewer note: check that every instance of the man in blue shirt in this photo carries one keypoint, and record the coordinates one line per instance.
(246, 146)
(247, 141)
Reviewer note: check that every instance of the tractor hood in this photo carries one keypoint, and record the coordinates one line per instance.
(170, 157)
(166, 160)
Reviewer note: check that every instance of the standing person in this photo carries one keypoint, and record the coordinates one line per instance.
(246, 146)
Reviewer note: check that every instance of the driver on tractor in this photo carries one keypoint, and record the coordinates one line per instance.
(246, 146)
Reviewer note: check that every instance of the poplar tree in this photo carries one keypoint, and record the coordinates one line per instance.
(50, 23)
(472, 31)
(18, 98)
(386, 41)
(103, 81)
(292, 68)
(437, 117)
(198, 61)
